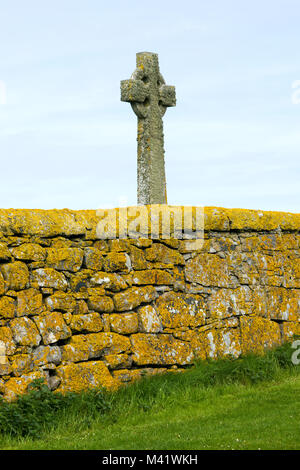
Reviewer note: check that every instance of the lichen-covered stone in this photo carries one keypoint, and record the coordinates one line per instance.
(163, 278)
(125, 323)
(160, 349)
(48, 277)
(29, 302)
(223, 342)
(94, 345)
(283, 304)
(141, 242)
(63, 301)
(29, 252)
(127, 376)
(163, 254)
(117, 261)
(152, 276)
(290, 329)
(99, 302)
(21, 364)
(25, 332)
(101, 245)
(4, 252)
(224, 303)
(19, 385)
(16, 275)
(208, 270)
(93, 259)
(89, 322)
(81, 307)
(133, 297)
(144, 277)
(119, 245)
(64, 259)
(7, 307)
(149, 321)
(110, 281)
(178, 310)
(85, 375)
(52, 327)
(117, 361)
(137, 257)
(258, 334)
(67, 316)
(2, 284)
(5, 369)
(46, 355)
(7, 338)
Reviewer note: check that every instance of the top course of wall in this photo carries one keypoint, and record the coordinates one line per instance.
(66, 222)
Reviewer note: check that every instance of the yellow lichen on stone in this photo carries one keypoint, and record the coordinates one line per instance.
(45, 355)
(64, 259)
(127, 376)
(283, 304)
(7, 307)
(133, 297)
(152, 276)
(178, 310)
(18, 385)
(29, 252)
(21, 364)
(258, 334)
(48, 277)
(137, 257)
(94, 345)
(4, 252)
(290, 329)
(60, 300)
(99, 302)
(140, 306)
(29, 302)
(160, 349)
(144, 277)
(110, 281)
(149, 320)
(7, 338)
(83, 376)
(213, 343)
(224, 303)
(117, 261)
(25, 332)
(2, 284)
(52, 327)
(208, 270)
(93, 258)
(89, 322)
(243, 219)
(163, 254)
(125, 323)
(117, 361)
(16, 275)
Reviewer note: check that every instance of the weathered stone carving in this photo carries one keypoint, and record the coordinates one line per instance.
(149, 97)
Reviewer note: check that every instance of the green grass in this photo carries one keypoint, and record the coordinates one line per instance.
(248, 403)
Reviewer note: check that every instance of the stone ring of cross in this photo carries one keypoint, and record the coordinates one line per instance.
(147, 89)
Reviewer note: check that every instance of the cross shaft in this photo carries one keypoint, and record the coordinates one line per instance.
(149, 97)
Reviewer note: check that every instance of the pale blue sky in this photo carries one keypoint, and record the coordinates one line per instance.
(233, 140)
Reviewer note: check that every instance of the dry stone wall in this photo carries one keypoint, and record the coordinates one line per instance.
(83, 312)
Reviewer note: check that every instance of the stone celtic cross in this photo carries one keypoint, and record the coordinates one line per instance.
(149, 97)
